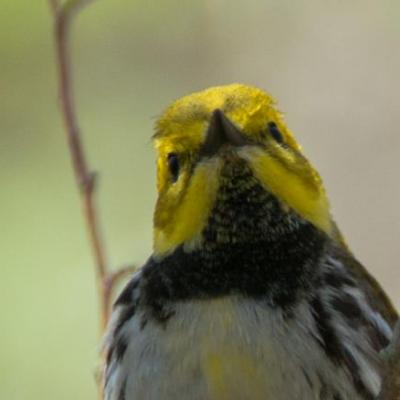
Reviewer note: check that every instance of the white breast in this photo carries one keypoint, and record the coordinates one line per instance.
(230, 348)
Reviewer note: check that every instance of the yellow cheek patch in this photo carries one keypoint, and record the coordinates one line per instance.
(187, 220)
(303, 193)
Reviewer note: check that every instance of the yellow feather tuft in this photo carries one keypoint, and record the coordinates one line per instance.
(296, 184)
(182, 221)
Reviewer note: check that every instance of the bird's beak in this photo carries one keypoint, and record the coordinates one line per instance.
(221, 132)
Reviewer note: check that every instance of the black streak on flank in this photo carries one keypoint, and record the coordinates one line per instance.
(121, 395)
(119, 344)
(337, 397)
(334, 349)
(120, 348)
(337, 279)
(126, 314)
(327, 336)
(116, 351)
(324, 391)
(126, 296)
(307, 377)
(357, 381)
(346, 305)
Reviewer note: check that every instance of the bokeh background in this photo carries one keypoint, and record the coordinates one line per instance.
(333, 65)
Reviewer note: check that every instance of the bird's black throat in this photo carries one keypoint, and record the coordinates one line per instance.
(252, 245)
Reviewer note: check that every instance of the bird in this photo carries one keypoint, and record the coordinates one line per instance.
(251, 291)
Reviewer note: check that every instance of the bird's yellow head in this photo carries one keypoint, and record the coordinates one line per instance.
(234, 127)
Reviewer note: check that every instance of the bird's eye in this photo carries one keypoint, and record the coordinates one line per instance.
(275, 133)
(173, 165)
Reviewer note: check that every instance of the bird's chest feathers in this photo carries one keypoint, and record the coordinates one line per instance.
(239, 349)
(228, 352)
(232, 348)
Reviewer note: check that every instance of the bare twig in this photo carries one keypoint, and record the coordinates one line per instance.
(54, 6)
(86, 179)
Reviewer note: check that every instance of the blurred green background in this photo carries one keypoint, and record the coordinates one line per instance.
(333, 65)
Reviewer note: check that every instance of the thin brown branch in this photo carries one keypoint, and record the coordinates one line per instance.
(54, 6)
(86, 179)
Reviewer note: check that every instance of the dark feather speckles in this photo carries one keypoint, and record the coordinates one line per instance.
(347, 306)
(121, 395)
(143, 321)
(120, 348)
(126, 296)
(358, 383)
(117, 349)
(334, 349)
(324, 391)
(126, 314)
(337, 279)
(326, 335)
(307, 377)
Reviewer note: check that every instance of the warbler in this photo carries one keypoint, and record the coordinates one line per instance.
(251, 291)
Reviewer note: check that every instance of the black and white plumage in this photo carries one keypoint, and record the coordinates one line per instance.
(324, 347)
